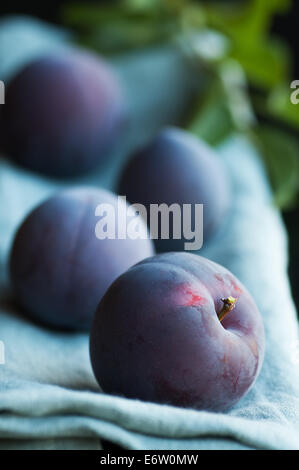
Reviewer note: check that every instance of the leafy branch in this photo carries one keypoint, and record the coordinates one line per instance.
(249, 70)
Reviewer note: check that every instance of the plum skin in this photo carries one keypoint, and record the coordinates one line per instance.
(156, 335)
(59, 269)
(63, 112)
(177, 167)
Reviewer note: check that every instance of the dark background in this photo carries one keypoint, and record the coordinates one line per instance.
(286, 26)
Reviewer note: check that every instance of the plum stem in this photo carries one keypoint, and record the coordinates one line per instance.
(229, 304)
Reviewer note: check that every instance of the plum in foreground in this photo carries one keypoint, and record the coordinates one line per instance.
(63, 111)
(178, 168)
(59, 268)
(177, 329)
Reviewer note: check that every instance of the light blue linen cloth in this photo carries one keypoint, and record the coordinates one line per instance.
(48, 396)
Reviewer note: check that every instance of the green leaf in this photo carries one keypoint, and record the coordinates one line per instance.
(91, 15)
(141, 4)
(225, 106)
(266, 63)
(265, 59)
(122, 27)
(281, 155)
(212, 119)
(251, 19)
(279, 105)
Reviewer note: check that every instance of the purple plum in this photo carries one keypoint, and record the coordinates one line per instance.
(178, 329)
(63, 112)
(59, 268)
(178, 168)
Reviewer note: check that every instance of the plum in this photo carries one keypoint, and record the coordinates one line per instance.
(177, 168)
(59, 269)
(63, 112)
(177, 329)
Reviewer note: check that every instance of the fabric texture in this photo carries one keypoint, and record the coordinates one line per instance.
(48, 396)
